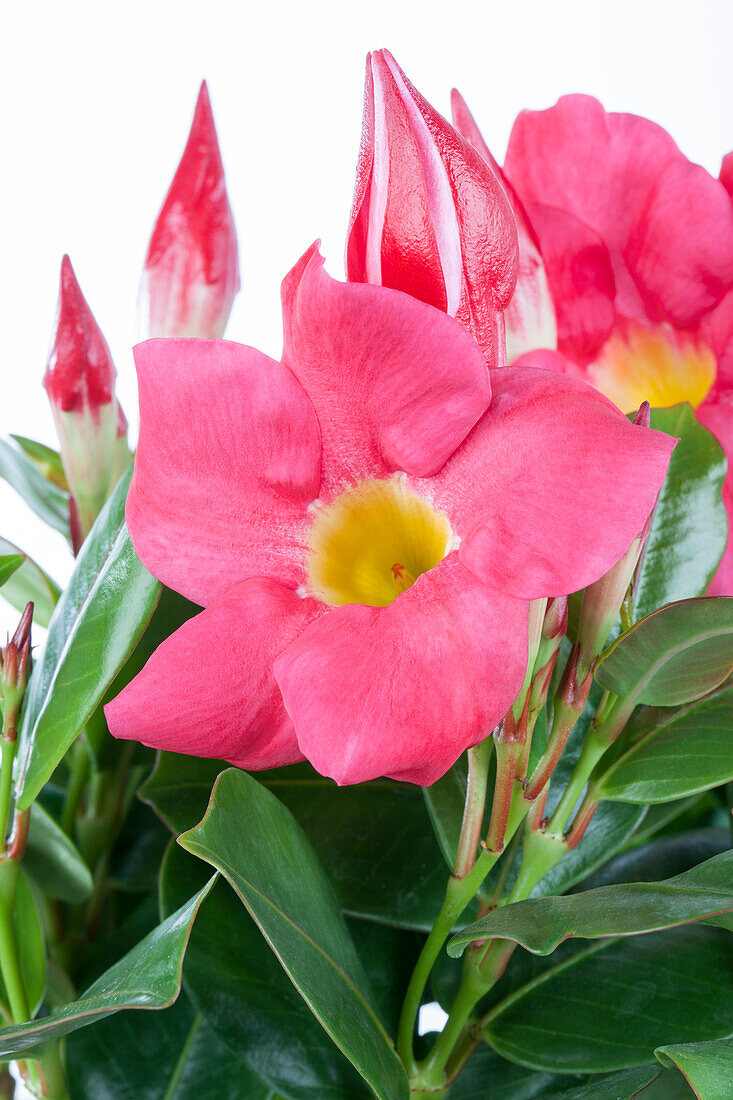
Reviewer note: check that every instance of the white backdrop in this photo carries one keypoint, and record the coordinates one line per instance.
(96, 104)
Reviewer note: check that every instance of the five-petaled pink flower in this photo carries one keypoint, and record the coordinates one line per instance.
(638, 248)
(191, 273)
(364, 524)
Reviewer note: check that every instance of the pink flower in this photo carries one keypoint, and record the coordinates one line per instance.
(365, 524)
(80, 383)
(638, 247)
(429, 216)
(191, 274)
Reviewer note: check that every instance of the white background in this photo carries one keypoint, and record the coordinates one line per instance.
(97, 99)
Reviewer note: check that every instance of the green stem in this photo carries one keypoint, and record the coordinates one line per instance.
(9, 746)
(473, 811)
(77, 783)
(9, 962)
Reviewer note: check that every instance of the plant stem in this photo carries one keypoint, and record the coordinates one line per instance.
(9, 746)
(77, 783)
(9, 962)
(473, 811)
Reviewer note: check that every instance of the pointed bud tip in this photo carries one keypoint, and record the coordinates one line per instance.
(643, 416)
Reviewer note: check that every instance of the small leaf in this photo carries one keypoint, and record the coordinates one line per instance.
(53, 861)
(149, 976)
(689, 527)
(671, 753)
(540, 924)
(46, 458)
(707, 1066)
(95, 627)
(29, 583)
(9, 563)
(47, 500)
(244, 834)
(29, 939)
(674, 655)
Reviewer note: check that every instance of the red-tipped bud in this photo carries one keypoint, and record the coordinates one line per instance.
(643, 416)
(530, 316)
(429, 216)
(80, 383)
(191, 273)
(15, 662)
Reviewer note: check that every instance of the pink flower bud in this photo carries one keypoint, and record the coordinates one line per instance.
(429, 216)
(15, 662)
(80, 383)
(191, 273)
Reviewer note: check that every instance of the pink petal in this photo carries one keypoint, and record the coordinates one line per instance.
(402, 690)
(209, 690)
(552, 486)
(726, 173)
(716, 414)
(396, 384)
(581, 279)
(227, 463)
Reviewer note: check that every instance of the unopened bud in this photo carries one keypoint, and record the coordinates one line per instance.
(191, 273)
(15, 662)
(80, 383)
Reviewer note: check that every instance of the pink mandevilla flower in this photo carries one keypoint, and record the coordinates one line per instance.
(364, 524)
(191, 273)
(638, 248)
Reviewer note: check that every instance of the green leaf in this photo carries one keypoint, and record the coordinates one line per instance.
(247, 998)
(53, 861)
(689, 527)
(540, 924)
(388, 818)
(9, 563)
(95, 627)
(30, 582)
(46, 458)
(707, 1066)
(662, 857)
(627, 1085)
(29, 939)
(46, 499)
(245, 834)
(149, 976)
(487, 1076)
(612, 1004)
(674, 655)
(169, 1055)
(671, 753)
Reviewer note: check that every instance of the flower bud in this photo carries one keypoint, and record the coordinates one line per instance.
(15, 663)
(429, 216)
(80, 383)
(191, 273)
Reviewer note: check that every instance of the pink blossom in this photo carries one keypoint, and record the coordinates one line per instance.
(364, 524)
(191, 274)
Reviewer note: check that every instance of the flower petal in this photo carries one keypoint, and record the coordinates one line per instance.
(209, 690)
(403, 690)
(227, 463)
(552, 485)
(396, 384)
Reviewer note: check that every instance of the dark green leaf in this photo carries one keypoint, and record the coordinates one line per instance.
(246, 834)
(9, 563)
(671, 753)
(169, 1055)
(248, 999)
(707, 1066)
(29, 940)
(611, 1005)
(95, 627)
(30, 582)
(627, 1085)
(179, 788)
(149, 976)
(661, 858)
(672, 656)
(53, 860)
(689, 526)
(540, 924)
(487, 1076)
(46, 499)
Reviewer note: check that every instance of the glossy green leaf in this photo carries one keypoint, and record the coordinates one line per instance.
(689, 527)
(672, 656)
(29, 940)
(169, 1055)
(47, 500)
(29, 582)
(53, 861)
(540, 924)
(668, 754)
(662, 857)
(487, 1076)
(707, 1066)
(609, 1006)
(627, 1085)
(388, 818)
(247, 998)
(149, 976)
(95, 627)
(9, 563)
(46, 458)
(245, 833)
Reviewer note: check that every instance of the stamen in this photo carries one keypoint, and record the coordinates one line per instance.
(402, 578)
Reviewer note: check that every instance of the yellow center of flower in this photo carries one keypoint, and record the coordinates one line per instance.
(372, 542)
(658, 365)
